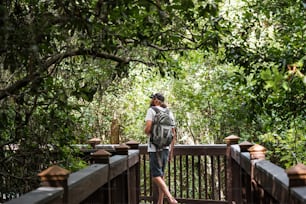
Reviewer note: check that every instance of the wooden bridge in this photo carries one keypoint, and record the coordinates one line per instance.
(220, 173)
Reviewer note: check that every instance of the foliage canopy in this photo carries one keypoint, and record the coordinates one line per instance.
(71, 68)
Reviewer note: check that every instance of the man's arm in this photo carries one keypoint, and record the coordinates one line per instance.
(172, 144)
(147, 129)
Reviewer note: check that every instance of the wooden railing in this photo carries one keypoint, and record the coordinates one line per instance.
(222, 173)
(255, 180)
(114, 182)
(196, 174)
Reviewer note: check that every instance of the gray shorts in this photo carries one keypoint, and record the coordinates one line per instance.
(158, 161)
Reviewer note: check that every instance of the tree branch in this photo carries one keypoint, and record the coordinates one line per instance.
(56, 59)
(15, 87)
(81, 52)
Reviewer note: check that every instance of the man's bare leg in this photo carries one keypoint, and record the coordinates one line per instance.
(160, 196)
(159, 181)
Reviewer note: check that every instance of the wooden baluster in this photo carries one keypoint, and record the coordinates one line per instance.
(187, 175)
(219, 177)
(205, 177)
(181, 177)
(199, 164)
(193, 180)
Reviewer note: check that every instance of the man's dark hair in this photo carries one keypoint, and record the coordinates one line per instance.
(159, 96)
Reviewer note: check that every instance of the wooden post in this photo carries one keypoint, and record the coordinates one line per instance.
(133, 144)
(245, 181)
(122, 149)
(297, 175)
(257, 152)
(94, 141)
(101, 156)
(134, 178)
(232, 139)
(297, 183)
(55, 176)
(244, 146)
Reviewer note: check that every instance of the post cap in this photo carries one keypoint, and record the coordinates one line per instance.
(257, 152)
(122, 149)
(245, 145)
(133, 144)
(101, 153)
(101, 156)
(94, 141)
(54, 173)
(232, 139)
(297, 175)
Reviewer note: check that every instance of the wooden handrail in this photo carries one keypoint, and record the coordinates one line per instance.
(261, 181)
(219, 173)
(97, 183)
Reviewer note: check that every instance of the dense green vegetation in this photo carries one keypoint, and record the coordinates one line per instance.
(70, 68)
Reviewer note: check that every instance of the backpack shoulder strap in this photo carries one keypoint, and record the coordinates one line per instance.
(155, 109)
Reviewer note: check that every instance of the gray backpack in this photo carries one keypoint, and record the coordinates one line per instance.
(161, 132)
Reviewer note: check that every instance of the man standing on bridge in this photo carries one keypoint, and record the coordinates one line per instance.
(158, 160)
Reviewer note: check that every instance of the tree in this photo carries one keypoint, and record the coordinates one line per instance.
(56, 55)
(38, 36)
(268, 44)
